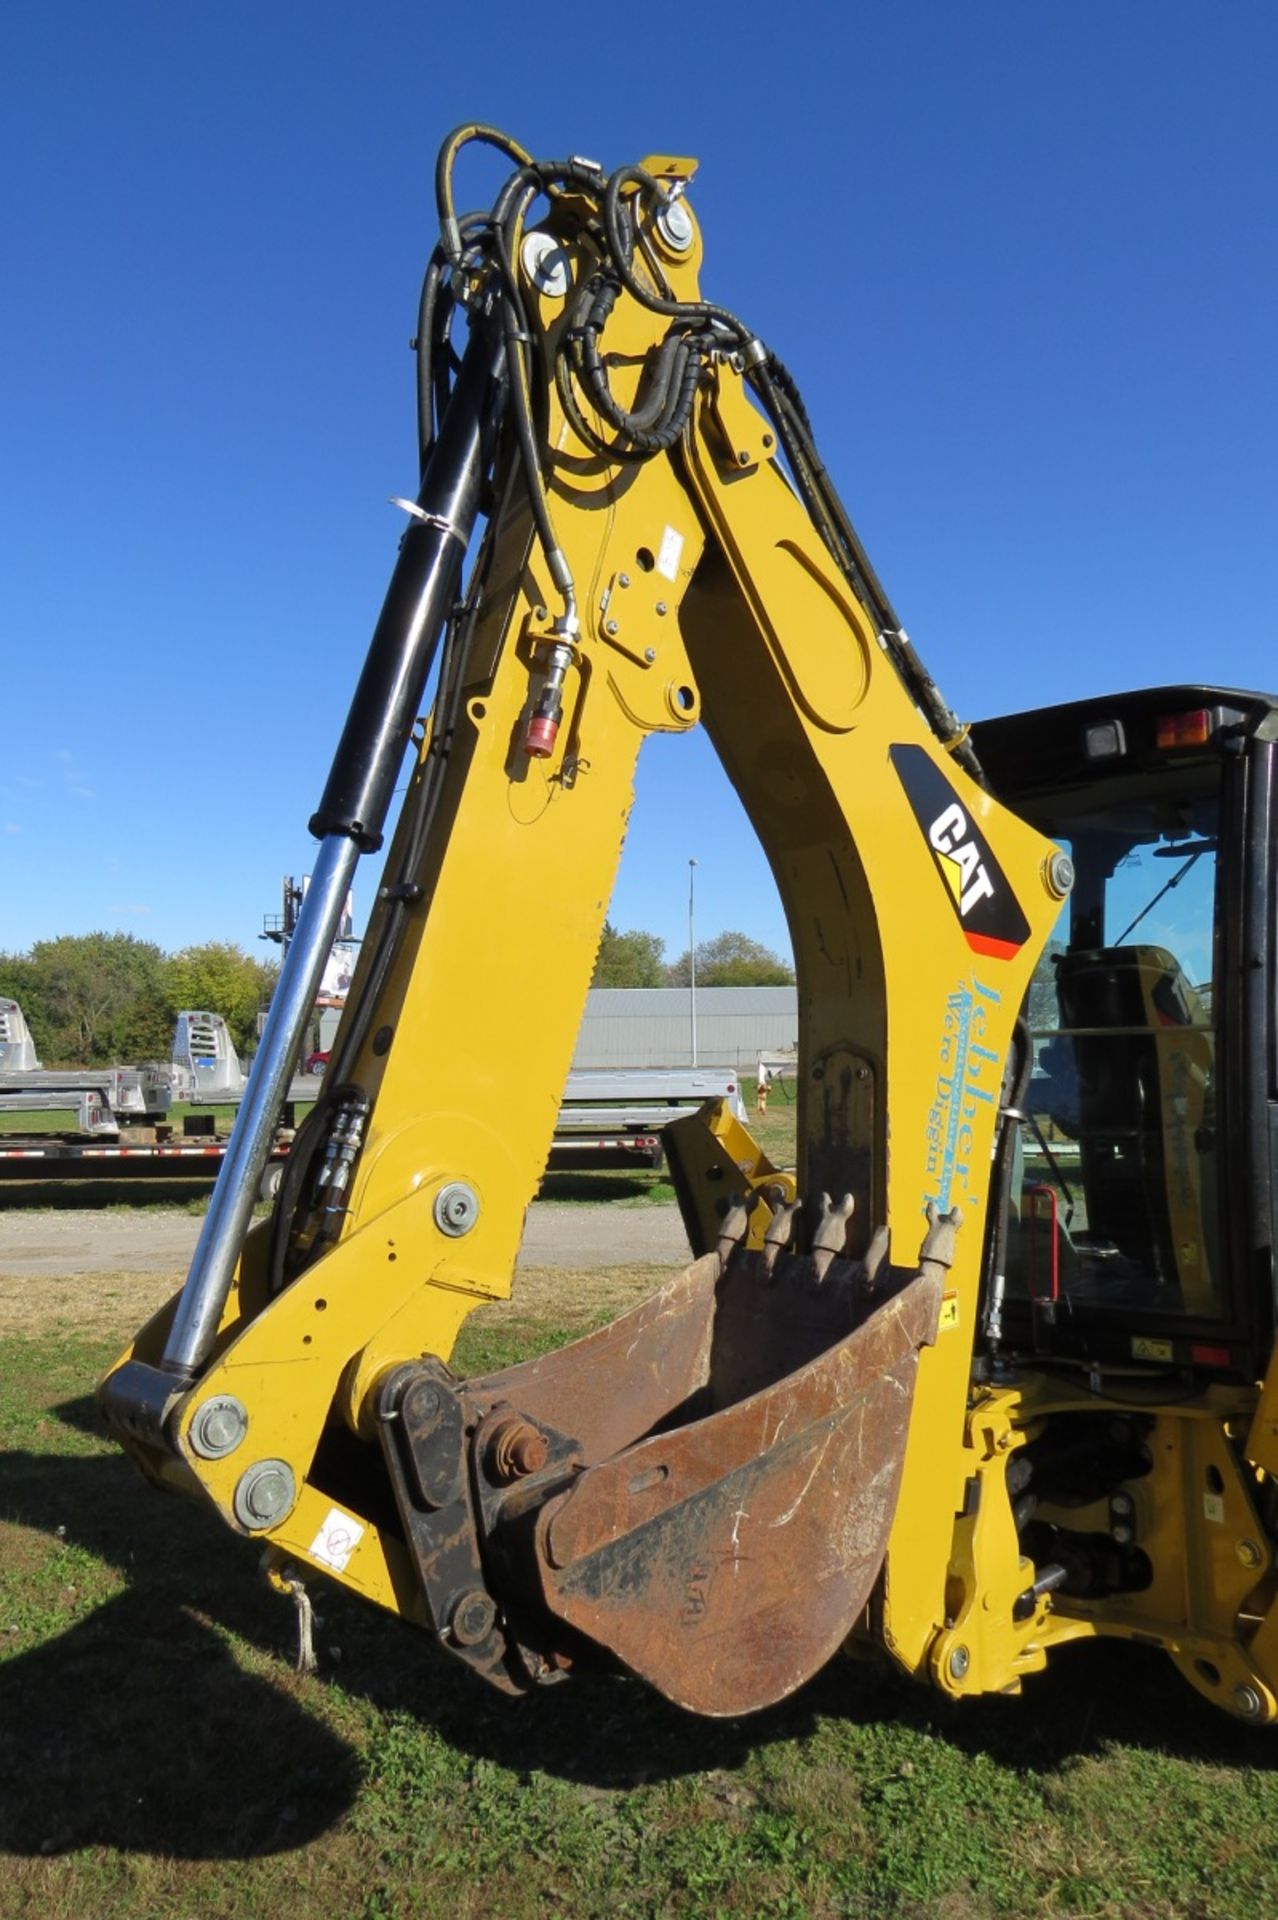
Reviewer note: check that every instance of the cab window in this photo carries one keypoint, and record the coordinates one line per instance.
(1118, 1148)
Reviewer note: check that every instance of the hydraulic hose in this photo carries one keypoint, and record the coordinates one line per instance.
(700, 330)
(470, 130)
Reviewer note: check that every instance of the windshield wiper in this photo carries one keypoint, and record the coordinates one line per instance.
(1168, 853)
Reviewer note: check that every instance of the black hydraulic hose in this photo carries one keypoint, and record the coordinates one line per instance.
(436, 362)
(568, 367)
(517, 338)
(787, 385)
(619, 449)
(425, 343)
(471, 130)
(658, 423)
(810, 473)
(840, 536)
(514, 338)
(663, 374)
(794, 445)
(671, 375)
(1013, 1099)
(671, 380)
(621, 248)
(848, 534)
(307, 1141)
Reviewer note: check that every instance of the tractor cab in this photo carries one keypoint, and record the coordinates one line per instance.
(1136, 1187)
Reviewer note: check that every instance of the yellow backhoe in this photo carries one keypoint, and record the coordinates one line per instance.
(991, 1369)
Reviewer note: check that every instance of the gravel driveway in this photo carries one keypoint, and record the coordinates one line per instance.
(146, 1241)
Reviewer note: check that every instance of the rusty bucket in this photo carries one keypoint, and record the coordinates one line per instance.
(701, 1491)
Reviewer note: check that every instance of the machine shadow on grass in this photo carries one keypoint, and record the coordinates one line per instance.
(85, 1196)
(137, 1729)
(593, 1188)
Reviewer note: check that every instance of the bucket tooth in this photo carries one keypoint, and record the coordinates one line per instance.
(875, 1254)
(780, 1231)
(830, 1235)
(736, 1222)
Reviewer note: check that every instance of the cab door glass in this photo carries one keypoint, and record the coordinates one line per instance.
(1115, 1198)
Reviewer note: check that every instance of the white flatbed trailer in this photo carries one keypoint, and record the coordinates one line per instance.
(613, 1116)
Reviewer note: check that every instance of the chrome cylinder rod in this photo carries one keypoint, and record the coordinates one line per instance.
(351, 816)
(225, 1224)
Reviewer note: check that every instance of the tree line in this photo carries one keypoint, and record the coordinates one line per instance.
(92, 999)
(731, 959)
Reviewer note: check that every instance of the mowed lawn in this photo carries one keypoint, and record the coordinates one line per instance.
(160, 1757)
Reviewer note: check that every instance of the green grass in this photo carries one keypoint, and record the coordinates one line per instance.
(161, 1759)
(63, 1120)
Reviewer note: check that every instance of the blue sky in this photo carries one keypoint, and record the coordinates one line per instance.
(1020, 258)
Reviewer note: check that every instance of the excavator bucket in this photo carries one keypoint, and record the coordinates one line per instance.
(701, 1491)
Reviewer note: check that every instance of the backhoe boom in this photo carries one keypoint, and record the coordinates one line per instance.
(808, 1434)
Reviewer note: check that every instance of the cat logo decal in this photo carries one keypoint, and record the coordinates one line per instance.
(987, 909)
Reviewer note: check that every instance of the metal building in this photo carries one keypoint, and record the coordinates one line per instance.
(652, 1026)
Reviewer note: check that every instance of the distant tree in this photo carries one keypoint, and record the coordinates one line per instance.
(629, 959)
(220, 977)
(732, 960)
(92, 998)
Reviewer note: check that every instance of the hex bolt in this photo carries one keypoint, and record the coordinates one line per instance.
(650, 654)
(661, 606)
(610, 627)
(960, 1661)
(743, 458)
(767, 440)
(1249, 1553)
(623, 579)
(264, 1494)
(218, 1426)
(471, 1620)
(1247, 1703)
(1059, 875)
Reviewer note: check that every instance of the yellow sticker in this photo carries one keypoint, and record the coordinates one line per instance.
(949, 1312)
(1151, 1349)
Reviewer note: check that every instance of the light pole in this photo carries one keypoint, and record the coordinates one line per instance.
(692, 952)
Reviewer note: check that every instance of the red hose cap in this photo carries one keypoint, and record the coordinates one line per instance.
(539, 741)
